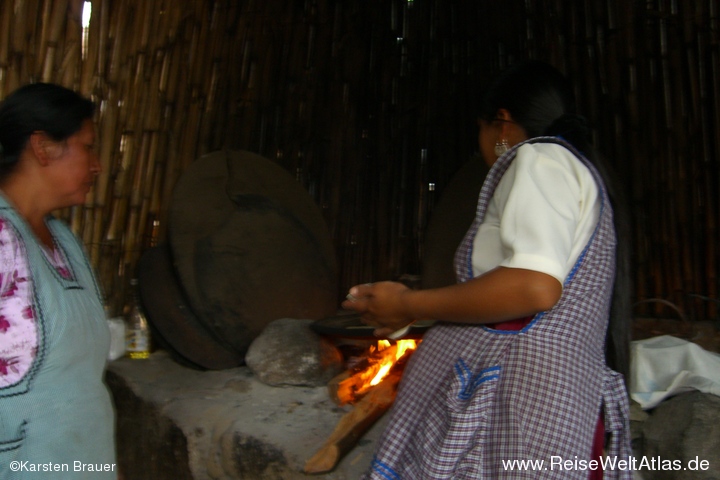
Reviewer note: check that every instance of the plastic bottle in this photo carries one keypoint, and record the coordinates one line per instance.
(118, 335)
(138, 342)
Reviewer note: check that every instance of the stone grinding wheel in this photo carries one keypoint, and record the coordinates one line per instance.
(249, 246)
(174, 325)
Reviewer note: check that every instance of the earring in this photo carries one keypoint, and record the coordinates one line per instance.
(501, 147)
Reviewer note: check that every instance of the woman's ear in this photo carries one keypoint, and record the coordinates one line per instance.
(43, 147)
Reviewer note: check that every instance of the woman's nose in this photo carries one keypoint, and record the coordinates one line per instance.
(96, 166)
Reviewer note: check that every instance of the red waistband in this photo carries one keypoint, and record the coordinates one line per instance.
(513, 325)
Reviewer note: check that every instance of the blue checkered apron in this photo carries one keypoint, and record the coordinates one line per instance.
(474, 398)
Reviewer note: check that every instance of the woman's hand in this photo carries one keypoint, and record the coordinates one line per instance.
(382, 305)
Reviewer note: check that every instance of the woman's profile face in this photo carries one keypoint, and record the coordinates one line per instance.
(75, 166)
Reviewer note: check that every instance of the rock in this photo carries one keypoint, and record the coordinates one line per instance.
(288, 352)
(638, 416)
(684, 429)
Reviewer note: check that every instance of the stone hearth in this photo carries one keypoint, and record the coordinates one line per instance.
(178, 423)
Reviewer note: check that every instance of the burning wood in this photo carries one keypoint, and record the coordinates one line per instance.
(371, 390)
(351, 385)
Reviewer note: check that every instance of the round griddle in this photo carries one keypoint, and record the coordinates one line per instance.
(349, 325)
(249, 246)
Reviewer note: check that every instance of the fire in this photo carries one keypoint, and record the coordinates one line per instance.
(380, 362)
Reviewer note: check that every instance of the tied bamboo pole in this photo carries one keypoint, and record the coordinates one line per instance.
(40, 42)
(150, 217)
(58, 18)
(108, 125)
(116, 36)
(19, 50)
(6, 17)
(121, 186)
(70, 65)
(102, 8)
(89, 65)
(135, 226)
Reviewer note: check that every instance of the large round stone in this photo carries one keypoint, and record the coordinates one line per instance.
(249, 246)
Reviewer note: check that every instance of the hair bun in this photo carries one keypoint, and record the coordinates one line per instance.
(572, 127)
(570, 124)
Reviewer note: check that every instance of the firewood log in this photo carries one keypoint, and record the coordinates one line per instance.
(353, 425)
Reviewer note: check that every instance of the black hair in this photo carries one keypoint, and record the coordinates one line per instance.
(541, 100)
(46, 107)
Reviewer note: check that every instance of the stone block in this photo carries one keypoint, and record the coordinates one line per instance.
(682, 430)
(289, 353)
(177, 423)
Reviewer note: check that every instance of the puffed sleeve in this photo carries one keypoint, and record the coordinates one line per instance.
(545, 210)
(18, 328)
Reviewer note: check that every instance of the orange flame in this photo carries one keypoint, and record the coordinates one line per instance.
(380, 360)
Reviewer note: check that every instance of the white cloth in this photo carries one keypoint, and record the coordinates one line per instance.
(665, 366)
(541, 215)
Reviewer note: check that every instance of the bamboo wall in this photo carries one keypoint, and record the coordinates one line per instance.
(369, 102)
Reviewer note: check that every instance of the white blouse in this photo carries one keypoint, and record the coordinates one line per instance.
(541, 215)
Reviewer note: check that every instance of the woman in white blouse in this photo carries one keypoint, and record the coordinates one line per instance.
(516, 367)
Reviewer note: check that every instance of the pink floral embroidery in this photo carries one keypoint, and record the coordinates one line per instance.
(12, 288)
(64, 272)
(18, 329)
(6, 365)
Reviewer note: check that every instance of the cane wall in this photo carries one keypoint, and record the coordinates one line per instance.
(370, 105)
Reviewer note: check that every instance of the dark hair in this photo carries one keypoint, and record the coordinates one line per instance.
(541, 100)
(53, 109)
(535, 94)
